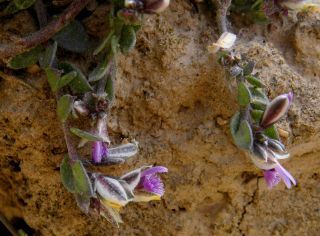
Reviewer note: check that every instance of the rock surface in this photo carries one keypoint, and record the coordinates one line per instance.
(174, 99)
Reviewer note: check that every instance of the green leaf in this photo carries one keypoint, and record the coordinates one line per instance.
(104, 43)
(114, 44)
(47, 58)
(110, 89)
(254, 81)
(82, 183)
(127, 39)
(86, 135)
(243, 136)
(64, 107)
(53, 78)
(247, 70)
(24, 4)
(83, 202)
(101, 70)
(272, 132)
(66, 79)
(234, 123)
(80, 83)
(258, 94)
(25, 59)
(73, 37)
(256, 115)
(67, 175)
(244, 95)
(258, 104)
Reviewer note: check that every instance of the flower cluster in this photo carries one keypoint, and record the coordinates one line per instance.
(253, 127)
(111, 194)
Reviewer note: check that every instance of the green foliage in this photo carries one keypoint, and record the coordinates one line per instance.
(74, 177)
(86, 135)
(252, 9)
(110, 89)
(25, 59)
(73, 37)
(244, 95)
(127, 39)
(17, 5)
(64, 107)
(101, 70)
(272, 132)
(241, 132)
(80, 83)
(254, 81)
(48, 56)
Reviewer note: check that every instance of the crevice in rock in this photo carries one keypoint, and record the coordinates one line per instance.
(244, 212)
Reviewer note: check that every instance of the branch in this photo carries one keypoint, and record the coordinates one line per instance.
(222, 7)
(44, 34)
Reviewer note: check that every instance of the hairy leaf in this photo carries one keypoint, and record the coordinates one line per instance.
(82, 183)
(272, 132)
(53, 78)
(25, 59)
(110, 89)
(127, 39)
(80, 83)
(66, 79)
(86, 135)
(67, 175)
(243, 137)
(73, 37)
(101, 70)
(254, 81)
(244, 95)
(104, 43)
(47, 58)
(64, 107)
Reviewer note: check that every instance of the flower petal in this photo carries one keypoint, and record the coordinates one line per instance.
(99, 150)
(272, 178)
(154, 170)
(111, 190)
(285, 175)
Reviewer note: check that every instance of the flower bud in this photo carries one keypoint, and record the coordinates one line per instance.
(80, 108)
(155, 6)
(276, 109)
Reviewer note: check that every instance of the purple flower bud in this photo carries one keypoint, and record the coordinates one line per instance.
(276, 109)
(151, 182)
(155, 6)
(147, 6)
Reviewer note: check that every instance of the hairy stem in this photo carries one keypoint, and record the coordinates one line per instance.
(222, 7)
(44, 34)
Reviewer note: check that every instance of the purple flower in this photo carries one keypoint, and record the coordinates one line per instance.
(274, 176)
(99, 151)
(151, 182)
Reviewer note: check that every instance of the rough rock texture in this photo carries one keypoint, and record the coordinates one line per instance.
(173, 98)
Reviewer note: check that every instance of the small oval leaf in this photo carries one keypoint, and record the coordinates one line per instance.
(123, 151)
(80, 83)
(82, 183)
(53, 78)
(47, 58)
(66, 79)
(25, 59)
(64, 107)
(110, 89)
(127, 39)
(86, 135)
(244, 137)
(73, 37)
(254, 81)
(244, 95)
(67, 175)
(101, 70)
(104, 43)
(272, 132)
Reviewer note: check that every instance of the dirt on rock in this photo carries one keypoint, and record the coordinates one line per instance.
(176, 101)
